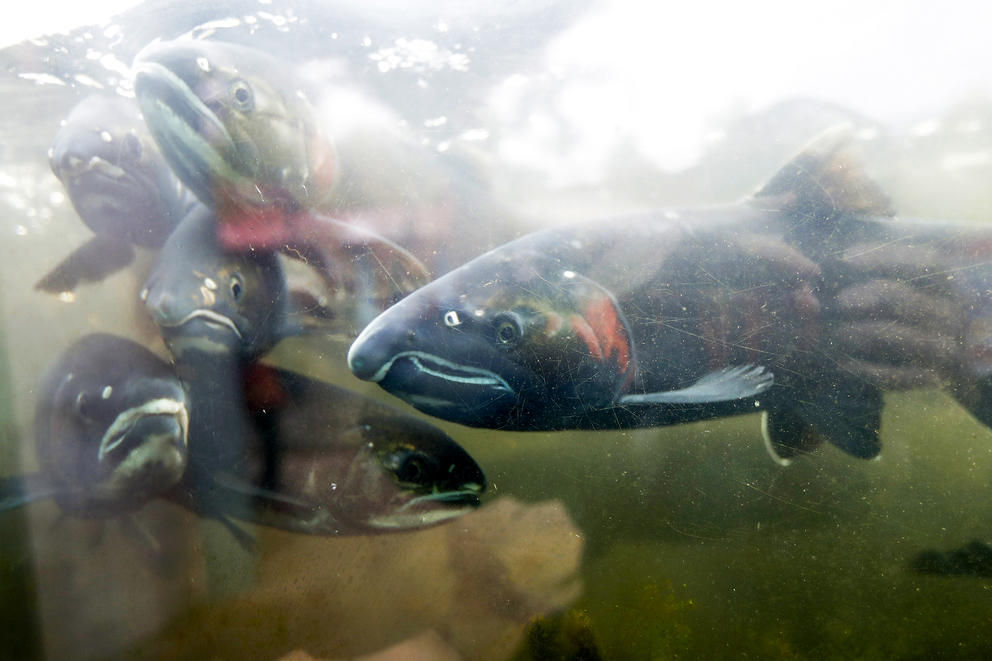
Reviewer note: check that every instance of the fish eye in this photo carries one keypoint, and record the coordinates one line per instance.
(451, 319)
(409, 466)
(82, 406)
(242, 96)
(69, 162)
(131, 147)
(508, 329)
(237, 287)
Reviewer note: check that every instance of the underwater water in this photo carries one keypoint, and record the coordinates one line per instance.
(460, 128)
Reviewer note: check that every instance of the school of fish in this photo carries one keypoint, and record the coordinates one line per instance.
(804, 303)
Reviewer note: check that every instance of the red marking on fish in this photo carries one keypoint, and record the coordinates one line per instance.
(587, 335)
(610, 332)
(268, 228)
(263, 388)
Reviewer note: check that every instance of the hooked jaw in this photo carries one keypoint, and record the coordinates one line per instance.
(142, 454)
(440, 386)
(169, 416)
(191, 136)
(200, 329)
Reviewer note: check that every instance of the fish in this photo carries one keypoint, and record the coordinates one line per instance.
(236, 125)
(119, 184)
(972, 559)
(113, 433)
(218, 302)
(323, 460)
(111, 430)
(804, 302)
(239, 131)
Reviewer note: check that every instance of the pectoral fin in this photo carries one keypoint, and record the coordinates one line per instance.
(91, 262)
(721, 386)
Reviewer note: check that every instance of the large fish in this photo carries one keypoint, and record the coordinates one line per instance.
(119, 184)
(113, 421)
(688, 314)
(322, 460)
(238, 129)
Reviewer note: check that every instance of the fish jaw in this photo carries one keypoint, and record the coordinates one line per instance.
(472, 383)
(190, 135)
(132, 201)
(145, 451)
(423, 511)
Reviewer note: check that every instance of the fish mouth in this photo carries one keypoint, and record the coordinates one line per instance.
(118, 438)
(189, 133)
(210, 317)
(431, 509)
(435, 366)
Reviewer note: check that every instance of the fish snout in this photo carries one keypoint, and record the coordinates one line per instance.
(372, 352)
(362, 361)
(162, 305)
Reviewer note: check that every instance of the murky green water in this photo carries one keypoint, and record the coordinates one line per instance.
(683, 542)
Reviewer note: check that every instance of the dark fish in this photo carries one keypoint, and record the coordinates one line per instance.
(683, 315)
(235, 125)
(119, 184)
(206, 299)
(973, 559)
(322, 460)
(112, 425)
(111, 430)
(238, 130)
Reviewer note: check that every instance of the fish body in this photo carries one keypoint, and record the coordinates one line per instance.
(113, 431)
(679, 315)
(119, 184)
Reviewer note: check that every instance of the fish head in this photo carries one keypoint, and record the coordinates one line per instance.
(111, 426)
(501, 342)
(408, 474)
(116, 178)
(234, 123)
(209, 301)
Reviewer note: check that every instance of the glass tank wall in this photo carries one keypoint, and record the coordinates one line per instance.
(721, 388)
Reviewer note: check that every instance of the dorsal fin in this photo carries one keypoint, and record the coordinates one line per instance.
(825, 179)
